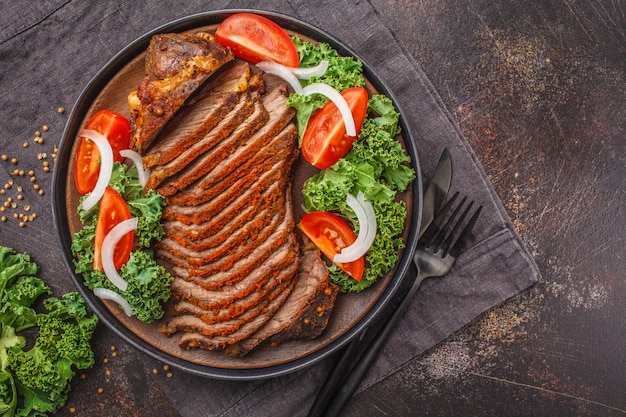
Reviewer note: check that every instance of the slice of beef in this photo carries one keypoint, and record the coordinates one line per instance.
(194, 339)
(304, 314)
(234, 249)
(203, 321)
(206, 162)
(269, 187)
(237, 307)
(286, 255)
(200, 114)
(176, 65)
(228, 241)
(241, 173)
(242, 110)
(272, 199)
(280, 118)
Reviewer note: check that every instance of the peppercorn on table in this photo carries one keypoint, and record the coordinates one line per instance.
(528, 96)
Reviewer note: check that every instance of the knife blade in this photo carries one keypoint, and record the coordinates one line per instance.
(437, 190)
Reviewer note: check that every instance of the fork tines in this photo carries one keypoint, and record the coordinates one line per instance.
(445, 237)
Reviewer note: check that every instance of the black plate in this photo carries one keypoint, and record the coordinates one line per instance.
(288, 357)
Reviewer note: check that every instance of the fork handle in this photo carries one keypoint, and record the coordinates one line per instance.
(360, 369)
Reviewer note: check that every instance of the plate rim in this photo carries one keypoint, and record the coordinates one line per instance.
(59, 208)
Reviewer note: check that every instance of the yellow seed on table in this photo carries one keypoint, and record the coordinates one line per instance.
(36, 186)
(3, 218)
(46, 163)
(107, 372)
(41, 192)
(45, 128)
(22, 224)
(46, 169)
(3, 191)
(166, 367)
(15, 216)
(105, 360)
(72, 409)
(27, 207)
(112, 348)
(13, 205)
(169, 375)
(2, 209)
(7, 185)
(155, 371)
(16, 171)
(20, 197)
(25, 145)
(5, 157)
(9, 199)
(114, 354)
(100, 390)
(60, 110)
(20, 172)
(37, 133)
(34, 215)
(31, 172)
(83, 376)
(33, 179)
(40, 141)
(7, 204)
(14, 161)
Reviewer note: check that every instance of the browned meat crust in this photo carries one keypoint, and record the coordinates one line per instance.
(176, 65)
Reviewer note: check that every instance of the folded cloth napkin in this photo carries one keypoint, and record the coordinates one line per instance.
(55, 47)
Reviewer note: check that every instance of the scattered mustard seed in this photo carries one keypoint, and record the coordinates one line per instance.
(45, 128)
(3, 218)
(100, 390)
(61, 110)
(169, 375)
(40, 192)
(5, 157)
(22, 224)
(72, 409)
(155, 371)
(25, 145)
(14, 161)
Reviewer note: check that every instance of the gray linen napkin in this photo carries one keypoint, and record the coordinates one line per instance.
(48, 52)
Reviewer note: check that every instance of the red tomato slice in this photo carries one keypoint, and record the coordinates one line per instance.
(117, 130)
(325, 141)
(331, 234)
(255, 38)
(113, 210)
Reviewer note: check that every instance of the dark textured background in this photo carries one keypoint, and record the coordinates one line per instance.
(537, 88)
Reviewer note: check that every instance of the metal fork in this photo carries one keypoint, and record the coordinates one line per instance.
(436, 252)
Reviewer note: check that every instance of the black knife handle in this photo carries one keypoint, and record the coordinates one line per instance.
(336, 376)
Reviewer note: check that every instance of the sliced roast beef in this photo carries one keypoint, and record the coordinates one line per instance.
(226, 146)
(202, 112)
(190, 291)
(206, 323)
(304, 313)
(242, 110)
(176, 64)
(194, 339)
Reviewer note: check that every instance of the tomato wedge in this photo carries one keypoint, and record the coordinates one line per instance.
(255, 38)
(113, 210)
(116, 129)
(331, 234)
(325, 141)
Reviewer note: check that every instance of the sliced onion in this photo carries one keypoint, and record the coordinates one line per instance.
(108, 248)
(283, 72)
(106, 166)
(367, 229)
(106, 294)
(307, 73)
(336, 97)
(138, 161)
